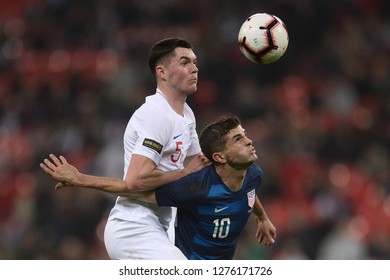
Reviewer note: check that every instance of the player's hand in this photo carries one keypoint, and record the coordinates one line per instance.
(266, 232)
(60, 170)
(205, 160)
(197, 163)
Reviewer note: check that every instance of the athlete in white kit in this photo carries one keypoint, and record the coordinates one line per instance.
(161, 145)
(160, 134)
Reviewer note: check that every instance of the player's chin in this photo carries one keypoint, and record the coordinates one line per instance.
(193, 87)
(253, 156)
(193, 84)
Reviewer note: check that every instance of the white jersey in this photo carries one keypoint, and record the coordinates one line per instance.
(157, 132)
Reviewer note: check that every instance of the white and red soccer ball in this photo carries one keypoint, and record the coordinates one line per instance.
(263, 38)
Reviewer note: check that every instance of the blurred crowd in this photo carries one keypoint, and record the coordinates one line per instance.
(73, 72)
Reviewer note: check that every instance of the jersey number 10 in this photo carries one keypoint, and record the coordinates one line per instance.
(221, 228)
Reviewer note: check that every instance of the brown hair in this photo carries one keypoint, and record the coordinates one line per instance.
(163, 49)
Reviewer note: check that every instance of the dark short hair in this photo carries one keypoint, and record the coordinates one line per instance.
(213, 137)
(164, 48)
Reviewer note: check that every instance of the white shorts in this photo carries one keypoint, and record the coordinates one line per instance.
(129, 240)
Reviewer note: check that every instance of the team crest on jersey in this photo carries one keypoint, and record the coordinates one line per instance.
(251, 198)
(153, 145)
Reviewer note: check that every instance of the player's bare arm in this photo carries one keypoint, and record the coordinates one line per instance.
(192, 164)
(266, 231)
(68, 176)
(141, 176)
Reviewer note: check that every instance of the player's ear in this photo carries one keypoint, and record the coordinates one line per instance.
(219, 157)
(160, 71)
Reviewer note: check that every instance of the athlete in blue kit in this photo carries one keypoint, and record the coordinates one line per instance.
(213, 204)
(210, 215)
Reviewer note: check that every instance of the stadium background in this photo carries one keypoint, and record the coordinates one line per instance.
(72, 72)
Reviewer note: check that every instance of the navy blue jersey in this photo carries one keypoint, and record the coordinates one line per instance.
(210, 217)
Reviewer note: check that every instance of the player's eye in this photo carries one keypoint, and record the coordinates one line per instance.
(237, 139)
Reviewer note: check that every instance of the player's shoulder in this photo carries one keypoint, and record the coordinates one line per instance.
(153, 111)
(208, 170)
(188, 111)
(255, 170)
(204, 172)
(205, 176)
(155, 103)
(254, 175)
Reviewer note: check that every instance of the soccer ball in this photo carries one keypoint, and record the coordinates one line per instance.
(263, 38)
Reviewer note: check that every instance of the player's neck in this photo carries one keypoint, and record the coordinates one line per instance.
(231, 177)
(176, 101)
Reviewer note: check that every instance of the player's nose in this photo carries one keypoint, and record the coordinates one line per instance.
(194, 68)
(248, 141)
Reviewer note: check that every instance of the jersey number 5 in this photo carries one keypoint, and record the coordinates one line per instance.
(178, 149)
(221, 228)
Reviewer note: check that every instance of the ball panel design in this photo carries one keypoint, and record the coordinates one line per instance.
(263, 38)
